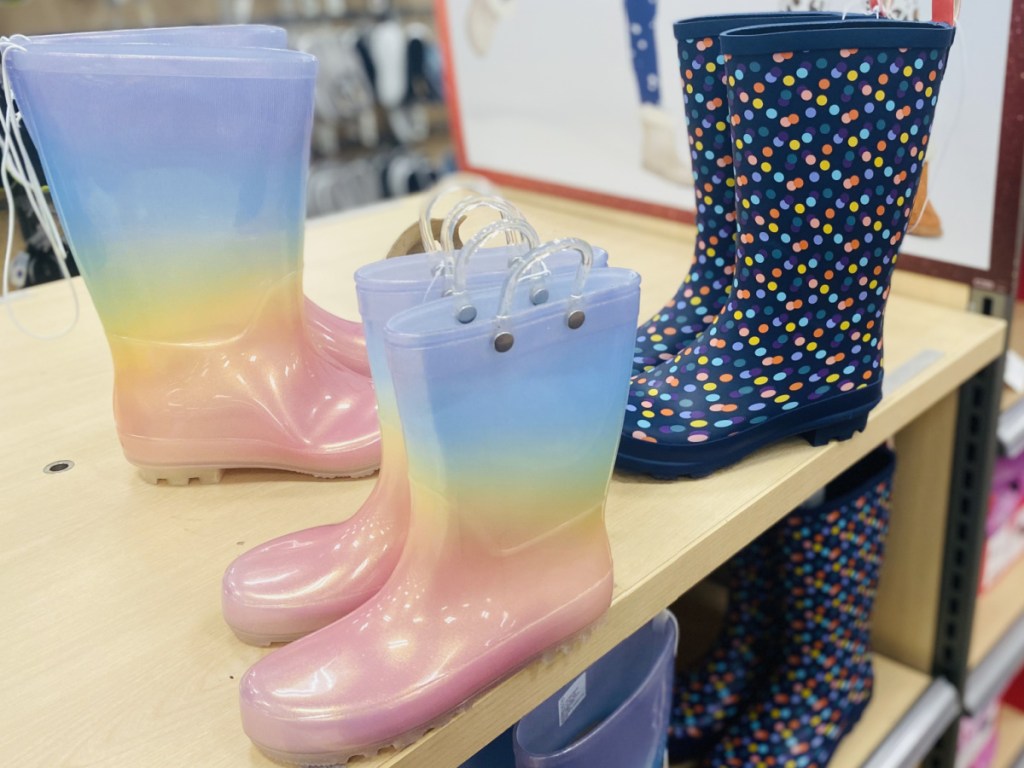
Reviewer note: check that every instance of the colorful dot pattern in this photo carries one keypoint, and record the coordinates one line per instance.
(706, 286)
(828, 151)
(832, 556)
(712, 694)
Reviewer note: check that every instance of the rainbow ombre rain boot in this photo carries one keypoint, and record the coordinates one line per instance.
(830, 125)
(613, 715)
(507, 553)
(340, 339)
(832, 555)
(705, 289)
(300, 582)
(180, 178)
(719, 687)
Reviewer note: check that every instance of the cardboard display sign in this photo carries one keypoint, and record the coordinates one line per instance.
(582, 98)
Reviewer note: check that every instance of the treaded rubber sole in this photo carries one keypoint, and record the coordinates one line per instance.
(819, 423)
(182, 476)
(400, 742)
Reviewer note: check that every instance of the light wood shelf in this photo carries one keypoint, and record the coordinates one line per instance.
(1010, 398)
(897, 689)
(115, 653)
(997, 609)
(1010, 738)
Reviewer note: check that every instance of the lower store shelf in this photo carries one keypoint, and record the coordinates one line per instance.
(997, 639)
(115, 652)
(906, 717)
(1010, 739)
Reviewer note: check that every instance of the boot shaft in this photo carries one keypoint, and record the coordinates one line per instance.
(829, 144)
(705, 101)
(389, 287)
(213, 36)
(515, 444)
(179, 177)
(832, 555)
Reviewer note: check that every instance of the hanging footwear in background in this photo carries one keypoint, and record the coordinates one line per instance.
(831, 557)
(705, 289)
(164, 182)
(719, 686)
(482, 21)
(829, 145)
(507, 554)
(613, 715)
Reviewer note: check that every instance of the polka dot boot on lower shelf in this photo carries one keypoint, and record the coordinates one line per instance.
(718, 688)
(830, 125)
(706, 286)
(832, 555)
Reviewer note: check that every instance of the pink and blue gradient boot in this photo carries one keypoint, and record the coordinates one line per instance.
(179, 175)
(340, 339)
(297, 583)
(507, 553)
(710, 695)
(705, 289)
(831, 555)
(830, 128)
(613, 715)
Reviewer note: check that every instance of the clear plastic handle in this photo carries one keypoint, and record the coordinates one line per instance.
(575, 316)
(465, 312)
(464, 207)
(460, 182)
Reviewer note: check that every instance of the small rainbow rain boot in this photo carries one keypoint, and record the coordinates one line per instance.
(180, 178)
(719, 687)
(302, 581)
(705, 289)
(340, 339)
(507, 554)
(830, 125)
(832, 555)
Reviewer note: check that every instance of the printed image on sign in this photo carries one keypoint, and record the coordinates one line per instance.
(584, 98)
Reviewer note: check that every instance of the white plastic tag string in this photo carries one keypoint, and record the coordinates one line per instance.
(17, 165)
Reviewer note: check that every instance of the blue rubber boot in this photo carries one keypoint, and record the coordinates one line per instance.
(706, 286)
(614, 715)
(720, 686)
(830, 124)
(832, 557)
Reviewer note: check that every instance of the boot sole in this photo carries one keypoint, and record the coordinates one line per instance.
(819, 423)
(402, 741)
(182, 476)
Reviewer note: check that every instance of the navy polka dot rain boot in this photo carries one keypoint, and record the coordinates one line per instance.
(832, 555)
(706, 286)
(830, 123)
(710, 696)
